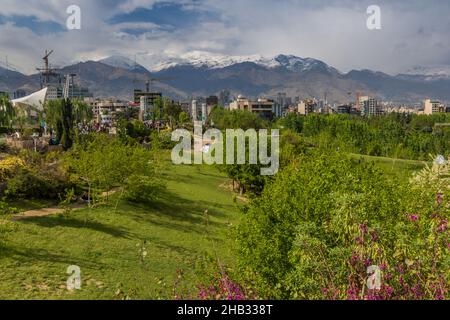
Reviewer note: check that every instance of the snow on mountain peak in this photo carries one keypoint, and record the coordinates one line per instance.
(210, 60)
(122, 62)
(216, 61)
(298, 64)
(198, 59)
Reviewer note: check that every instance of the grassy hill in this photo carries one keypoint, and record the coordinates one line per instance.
(106, 244)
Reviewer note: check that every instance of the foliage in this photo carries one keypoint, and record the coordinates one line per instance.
(30, 184)
(223, 119)
(394, 135)
(106, 243)
(61, 115)
(7, 226)
(9, 166)
(105, 163)
(7, 112)
(325, 219)
(67, 119)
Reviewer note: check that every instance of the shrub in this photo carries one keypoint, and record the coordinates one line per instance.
(325, 219)
(9, 166)
(104, 163)
(142, 188)
(31, 185)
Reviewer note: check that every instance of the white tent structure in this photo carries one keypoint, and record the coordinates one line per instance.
(34, 101)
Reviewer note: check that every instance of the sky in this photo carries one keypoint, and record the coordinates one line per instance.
(413, 33)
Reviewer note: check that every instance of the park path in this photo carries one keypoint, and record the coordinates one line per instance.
(43, 212)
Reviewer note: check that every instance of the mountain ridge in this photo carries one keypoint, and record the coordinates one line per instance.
(253, 76)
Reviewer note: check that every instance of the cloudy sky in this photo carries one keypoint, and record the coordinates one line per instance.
(414, 32)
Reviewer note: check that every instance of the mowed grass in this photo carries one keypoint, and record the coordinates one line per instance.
(106, 243)
(398, 168)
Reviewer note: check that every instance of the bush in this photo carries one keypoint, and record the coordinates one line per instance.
(142, 189)
(27, 184)
(324, 220)
(9, 167)
(104, 163)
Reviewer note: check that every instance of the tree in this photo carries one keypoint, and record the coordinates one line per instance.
(67, 124)
(183, 119)
(7, 112)
(82, 112)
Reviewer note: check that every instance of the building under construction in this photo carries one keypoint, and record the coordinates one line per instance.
(58, 85)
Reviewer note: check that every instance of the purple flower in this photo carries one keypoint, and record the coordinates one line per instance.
(413, 217)
(443, 226)
(439, 198)
(363, 228)
(359, 240)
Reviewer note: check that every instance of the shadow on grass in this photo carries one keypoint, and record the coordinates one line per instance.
(70, 222)
(173, 211)
(33, 255)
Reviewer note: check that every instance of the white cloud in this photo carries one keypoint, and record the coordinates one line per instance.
(414, 32)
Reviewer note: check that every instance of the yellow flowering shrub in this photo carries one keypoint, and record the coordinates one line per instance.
(9, 165)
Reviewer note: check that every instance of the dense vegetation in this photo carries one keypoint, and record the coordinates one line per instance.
(333, 211)
(313, 236)
(395, 135)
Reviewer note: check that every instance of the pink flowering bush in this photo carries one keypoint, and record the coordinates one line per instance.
(224, 289)
(324, 222)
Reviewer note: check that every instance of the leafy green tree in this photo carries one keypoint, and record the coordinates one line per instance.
(7, 112)
(82, 112)
(67, 120)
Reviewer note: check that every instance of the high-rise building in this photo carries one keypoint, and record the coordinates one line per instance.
(433, 106)
(54, 92)
(265, 108)
(306, 107)
(224, 98)
(152, 96)
(371, 107)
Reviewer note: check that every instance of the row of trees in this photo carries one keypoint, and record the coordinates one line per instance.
(61, 116)
(394, 135)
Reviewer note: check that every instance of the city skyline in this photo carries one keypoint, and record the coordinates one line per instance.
(412, 34)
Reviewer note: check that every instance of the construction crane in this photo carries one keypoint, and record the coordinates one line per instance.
(46, 72)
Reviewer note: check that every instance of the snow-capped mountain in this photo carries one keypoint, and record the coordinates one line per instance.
(202, 73)
(124, 63)
(210, 60)
(297, 64)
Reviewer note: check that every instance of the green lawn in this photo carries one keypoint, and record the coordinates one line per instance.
(105, 244)
(399, 168)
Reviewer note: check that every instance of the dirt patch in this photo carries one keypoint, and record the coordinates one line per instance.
(43, 212)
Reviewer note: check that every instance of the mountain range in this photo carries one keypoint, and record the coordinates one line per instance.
(203, 74)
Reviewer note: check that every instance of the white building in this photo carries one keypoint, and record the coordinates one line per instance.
(433, 106)
(265, 108)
